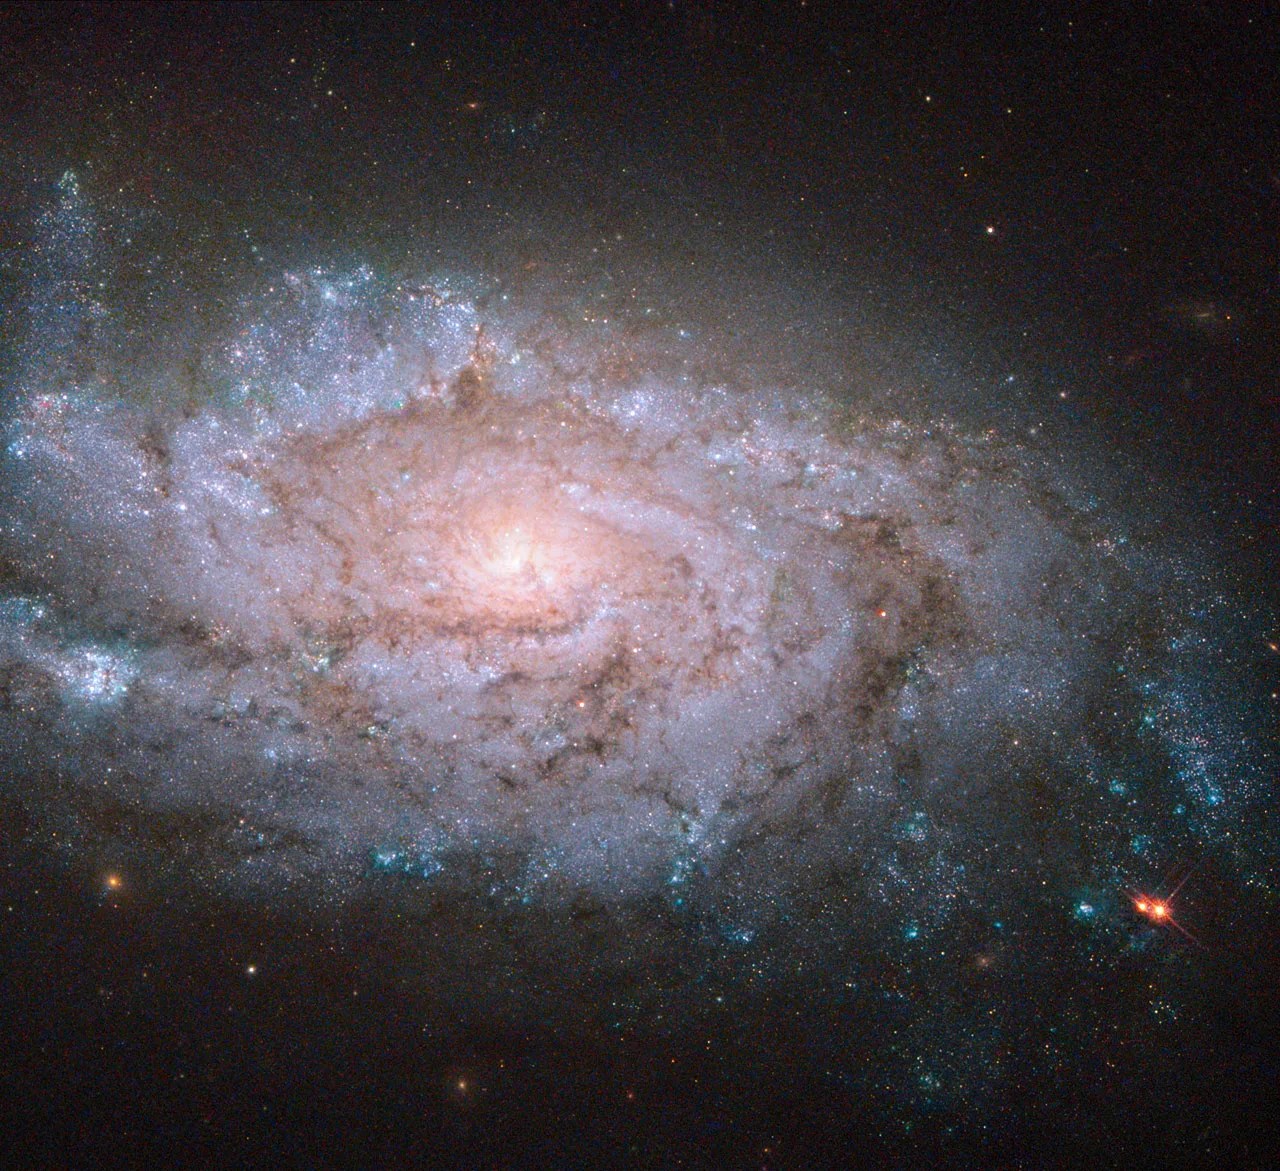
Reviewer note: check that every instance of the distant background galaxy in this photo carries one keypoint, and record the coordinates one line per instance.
(644, 586)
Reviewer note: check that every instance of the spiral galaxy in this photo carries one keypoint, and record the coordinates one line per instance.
(681, 585)
(398, 578)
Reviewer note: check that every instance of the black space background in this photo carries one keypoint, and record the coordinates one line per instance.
(1128, 158)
